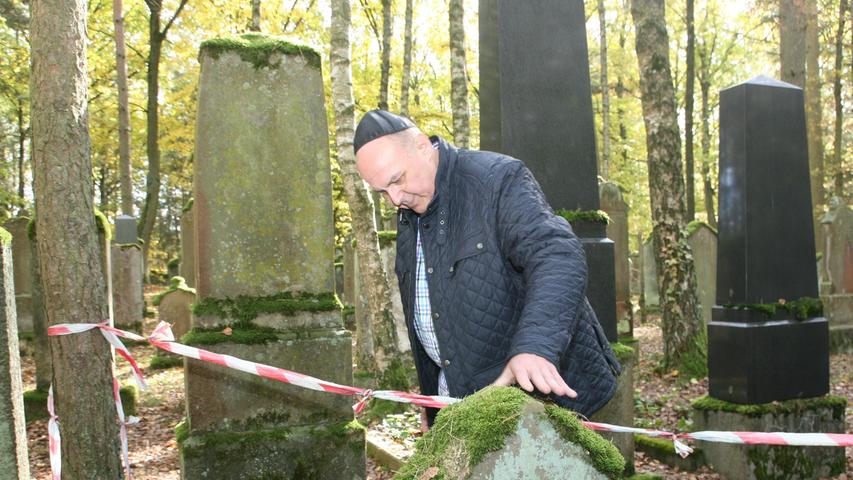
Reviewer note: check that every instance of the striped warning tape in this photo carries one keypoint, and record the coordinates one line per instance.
(163, 339)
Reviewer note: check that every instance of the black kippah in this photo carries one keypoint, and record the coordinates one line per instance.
(378, 123)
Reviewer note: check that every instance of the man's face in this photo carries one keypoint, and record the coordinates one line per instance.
(404, 174)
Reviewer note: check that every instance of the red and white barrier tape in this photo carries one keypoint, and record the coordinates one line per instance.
(163, 339)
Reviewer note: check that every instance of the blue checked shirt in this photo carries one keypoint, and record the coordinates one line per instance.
(423, 316)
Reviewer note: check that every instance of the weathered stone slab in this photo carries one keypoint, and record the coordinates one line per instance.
(174, 305)
(127, 275)
(748, 462)
(617, 230)
(14, 463)
(620, 409)
(703, 243)
(23, 272)
(650, 274)
(187, 268)
(836, 270)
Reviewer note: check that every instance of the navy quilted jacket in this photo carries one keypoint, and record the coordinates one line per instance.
(506, 276)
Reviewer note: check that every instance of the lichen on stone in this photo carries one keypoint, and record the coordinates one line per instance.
(592, 216)
(696, 224)
(623, 352)
(245, 308)
(258, 49)
(802, 308)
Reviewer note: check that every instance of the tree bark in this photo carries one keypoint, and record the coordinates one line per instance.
(605, 94)
(458, 76)
(256, 16)
(384, 334)
(22, 140)
(123, 112)
(707, 181)
(792, 42)
(73, 279)
(814, 118)
(838, 140)
(386, 54)
(407, 60)
(688, 113)
(156, 37)
(685, 343)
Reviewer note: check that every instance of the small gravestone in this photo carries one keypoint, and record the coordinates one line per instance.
(23, 272)
(127, 275)
(617, 229)
(264, 261)
(13, 434)
(651, 294)
(174, 304)
(500, 433)
(703, 243)
(187, 266)
(536, 106)
(619, 410)
(125, 230)
(837, 270)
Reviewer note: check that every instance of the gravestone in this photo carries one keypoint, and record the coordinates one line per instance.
(127, 275)
(349, 272)
(41, 348)
(264, 262)
(650, 293)
(837, 270)
(617, 229)
(703, 243)
(536, 106)
(14, 463)
(500, 433)
(187, 268)
(174, 305)
(23, 272)
(758, 351)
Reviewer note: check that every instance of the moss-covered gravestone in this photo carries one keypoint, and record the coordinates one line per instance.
(703, 243)
(617, 229)
(173, 306)
(620, 409)
(17, 227)
(13, 434)
(264, 261)
(502, 433)
(836, 270)
(187, 268)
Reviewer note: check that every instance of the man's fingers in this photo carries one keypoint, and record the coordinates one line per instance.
(505, 379)
(561, 388)
(541, 383)
(523, 380)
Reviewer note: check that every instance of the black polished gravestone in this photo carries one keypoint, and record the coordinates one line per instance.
(535, 105)
(766, 253)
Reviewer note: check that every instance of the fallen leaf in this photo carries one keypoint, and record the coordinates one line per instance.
(429, 474)
(227, 331)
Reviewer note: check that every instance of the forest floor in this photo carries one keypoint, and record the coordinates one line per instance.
(663, 401)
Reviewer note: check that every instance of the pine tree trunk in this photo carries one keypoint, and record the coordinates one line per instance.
(605, 94)
(73, 279)
(407, 60)
(458, 76)
(685, 344)
(814, 119)
(838, 140)
(22, 140)
(688, 113)
(386, 351)
(123, 112)
(792, 42)
(386, 54)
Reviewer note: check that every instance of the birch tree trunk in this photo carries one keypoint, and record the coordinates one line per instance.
(605, 94)
(458, 76)
(123, 112)
(384, 334)
(838, 140)
(688, 113)
(685, 340)
(407, 60)
(73, 279)
(385, 70)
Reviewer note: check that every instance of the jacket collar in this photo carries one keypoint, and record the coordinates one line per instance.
(447, 155)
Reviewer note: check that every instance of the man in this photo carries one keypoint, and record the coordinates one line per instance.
(492, 282)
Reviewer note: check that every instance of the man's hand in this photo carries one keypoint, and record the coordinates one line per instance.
(529, 371)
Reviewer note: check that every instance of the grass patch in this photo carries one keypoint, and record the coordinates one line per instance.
(164, 361)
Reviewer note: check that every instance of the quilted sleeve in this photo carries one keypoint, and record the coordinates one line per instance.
(551, 259)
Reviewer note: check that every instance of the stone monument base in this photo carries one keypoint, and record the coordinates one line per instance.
(620, 409)
(822, 414)
(838, 309)
(289, 453)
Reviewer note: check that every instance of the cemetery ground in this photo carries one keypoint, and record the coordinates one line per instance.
(662, 400)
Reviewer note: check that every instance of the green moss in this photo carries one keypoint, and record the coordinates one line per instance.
(483, 420)
(101, 222)
(386, 238)
(35, 403)
(187, 206)
(174, 263)
(246, 335)
(693, 363)
(176, 283)
(593, 216)
(604, 455)
(259, 49)
(653, 443)
(182, 431)
(165, 361)
(5, 237)
(837, 404)
(244, 309)
(696, 224)
(802, 308)
(623, 352)
(770, 462)
(644, 476)
(348, 310)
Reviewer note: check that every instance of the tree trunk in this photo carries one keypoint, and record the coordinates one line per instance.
(814, 119)
(384, 335)
(605, 94)
(386, 54)
(838, 140)
(73, 279)
(22, 140)
(407, 60)
(707, 181)
(256, 16)
(123, 112)
(458, 82)
(685, 341)
(792, 42)
(688, 113)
